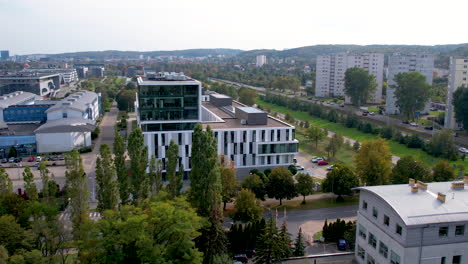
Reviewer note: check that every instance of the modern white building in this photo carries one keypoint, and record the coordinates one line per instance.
(38, 83)
(83, 104)
(66, 75)
(16, 98)
(407, 62)
(261, 60)
(458, 77)
(64, 135)
(330, 73)
(170, 104)
(416, 223)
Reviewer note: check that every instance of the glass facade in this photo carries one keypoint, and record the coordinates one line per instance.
(27, 113)
(24, 145)
(167, 127)
(168, 102)
(277, 148)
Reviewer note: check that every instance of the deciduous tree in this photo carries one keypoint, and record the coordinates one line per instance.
(121, 169)
(29, 185)
(229, 181)
(280, 185)
(304, 185)
(373, 163)
(409, 167)
(442, 171)
(106, 179)
(460, 104)
(6, 185)
(315, 134)
(175, 181)
(340, 180)
(254, 183)
(246, 207)
(138, 153)
(412, 92)
(359, 85)
(334, 144)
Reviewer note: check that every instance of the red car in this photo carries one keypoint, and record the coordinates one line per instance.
(322, 162)
(31, 159)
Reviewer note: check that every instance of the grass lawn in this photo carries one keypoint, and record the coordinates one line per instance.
(396, 148)
(374, 109)
(318, 235)
(315, 204)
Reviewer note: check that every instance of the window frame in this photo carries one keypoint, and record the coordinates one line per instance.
(398, 229)
(443, 233)
(386, 220)
(462, 228)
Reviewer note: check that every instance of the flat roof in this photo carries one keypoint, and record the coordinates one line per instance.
(146, 81)
(230, 121)
(219, 95)
(16, 98)
(251, 110)
(423, 207)
(78, 101)
(28, 75)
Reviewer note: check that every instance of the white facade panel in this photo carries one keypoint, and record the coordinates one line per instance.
(62, 142)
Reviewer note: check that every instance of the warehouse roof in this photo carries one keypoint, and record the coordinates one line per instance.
(78, 101)
(67, 125)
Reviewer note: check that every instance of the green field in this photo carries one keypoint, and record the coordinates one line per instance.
(396, 148)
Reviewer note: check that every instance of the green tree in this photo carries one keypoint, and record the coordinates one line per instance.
(280, 185)
(304, 185)
(13, 237)
(247, 96)
(334, 144)
(229, 182)
(285, 238)
(121, 169)
(155, 174)
(315, 134)
(3, 255)
(442, 144)
(254, 183)
(359, 85)
(409, 167)
(6, 185)
(299, 247)
(175, 182)
(125, 100)
(158, 231)
(373, 163)
(77, 191)
(356, 146)
(29, 185)
(246, 207)
(138, 153)
(460, 105)
(269, 245)
(442, 171)
(12, 153)
(106, 179)
(412, 92)
(340, 181)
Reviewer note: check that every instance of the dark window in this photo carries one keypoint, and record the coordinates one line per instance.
(442, 260)
(386, 220)
(163, 136)
(399, 229)
(278, 135)
(364, 205)
(277, 159)
(64, 115)
(443, 231)
(254, 135)
(232, 136)
(375, 213)
(244, 136)
(180, 138)
(460, 230)
(263, 136)
(383, 249)
(456, 259)
(372, 240)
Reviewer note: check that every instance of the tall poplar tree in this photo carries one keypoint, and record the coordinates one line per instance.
(155, 175)
(121, 170)
(174, 178)
(106, 178)
(6, 186)
(138, 153)
(77, 191)
(29, 185)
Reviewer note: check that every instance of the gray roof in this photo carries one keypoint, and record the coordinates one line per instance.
(67, 125)
(16, 98)
(250, 110)
(78, 101)
(423, 207)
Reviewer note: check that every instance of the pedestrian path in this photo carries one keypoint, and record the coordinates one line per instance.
(65, 216)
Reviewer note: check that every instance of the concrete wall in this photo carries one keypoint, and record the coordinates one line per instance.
(58, 114)
(62, 142)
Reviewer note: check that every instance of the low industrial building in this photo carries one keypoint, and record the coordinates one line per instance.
(37, 83)
(19, 98)
(83, 104)
(66, 75)
(169, 105)
(413, 223)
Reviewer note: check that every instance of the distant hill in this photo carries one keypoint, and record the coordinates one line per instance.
(311, 52)
(117, 54)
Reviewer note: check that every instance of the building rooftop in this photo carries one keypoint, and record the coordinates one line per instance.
(165, 78)
(27, 75)
(16, 98)
(250, 110)
(78, 101)
(229, 121)
(67, 125)
(423, 207)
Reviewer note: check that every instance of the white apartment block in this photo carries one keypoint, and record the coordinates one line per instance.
(331, 70)
(170, 104)
(407, 62)
(261, 60)
(458, 77)
(416, 223)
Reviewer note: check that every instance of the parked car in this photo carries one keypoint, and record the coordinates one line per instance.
(61, 157)
(36, 164)
(31, 159)
(341, 105)
(413, 124)
(329, 168)
(18, 165)
(371, 113)
(428, 127)
(11, 160)
(364, 114)
(242, 258)
(341, 244)
(4, 160)
(405, 122)
(433, 109)
(322, 162)
(18, 160)
(54, 158)
(316, 160)
(463, 150)
(38, 158)
(299, 167)
(250, 253)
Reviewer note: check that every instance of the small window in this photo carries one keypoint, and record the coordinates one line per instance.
(370, 259)
(361, 252)
(64, 115)
(364, 205)
(460, 230)
(362, 231)
(372, 240)
(394, 258)
(386, 220)
(399, 229)
(383, 249)
(456, 259)
(443, 231)
(375, 213)
(442, 260)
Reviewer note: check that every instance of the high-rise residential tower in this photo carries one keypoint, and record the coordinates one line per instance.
(458, 77)
(261, 60)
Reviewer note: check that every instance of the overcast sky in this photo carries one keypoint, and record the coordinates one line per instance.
(55, 26)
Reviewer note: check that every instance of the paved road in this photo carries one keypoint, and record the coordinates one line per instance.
(462, 140)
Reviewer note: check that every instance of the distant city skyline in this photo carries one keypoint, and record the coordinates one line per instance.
(58, 26)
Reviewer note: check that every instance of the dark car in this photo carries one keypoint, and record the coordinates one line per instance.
(242, 258)
(4, 160)
(250, 253)
(18, 160)
(405, 122)
(341, 244)
(428, 128)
